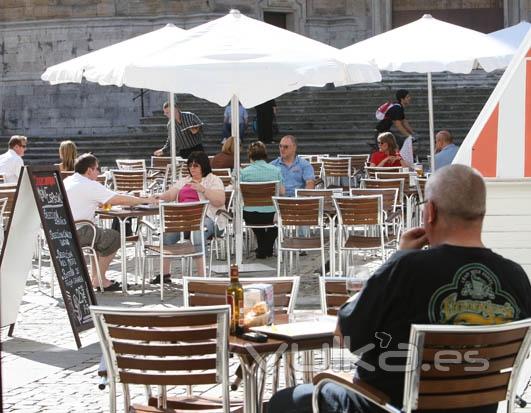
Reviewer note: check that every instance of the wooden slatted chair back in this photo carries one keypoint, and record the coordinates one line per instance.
(389, 196)
(258, 193)
(314, 157)
(299, 211)
(357, 162)
(66, 174)
(162, 161)
(227, 180)
(102, 179)
(188, 346)
(359, 210)
(336, 167)
(485, 362)
(372, 170)
(129, 180)
(200, 292)
(394, 175)
(129, 164)
(421, 186)
(229, 197)
(9, 194)
(385, 183)
(182, 217)
(333, 292)
(221, 172)
(317, 169)
(327, 194)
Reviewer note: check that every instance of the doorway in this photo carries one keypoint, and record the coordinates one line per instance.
(276, 19)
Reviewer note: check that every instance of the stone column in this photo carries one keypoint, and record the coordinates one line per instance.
(515, 11)
(382, 11)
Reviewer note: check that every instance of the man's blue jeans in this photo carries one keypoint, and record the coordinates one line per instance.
(332, 399)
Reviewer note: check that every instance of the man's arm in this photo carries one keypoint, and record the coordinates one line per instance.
(120, 199)
(310, 184)
(400, 125)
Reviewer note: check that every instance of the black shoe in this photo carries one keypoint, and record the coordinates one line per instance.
(156, 279)
(115, 286)
(261, 256)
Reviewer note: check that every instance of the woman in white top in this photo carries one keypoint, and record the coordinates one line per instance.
(201, 185)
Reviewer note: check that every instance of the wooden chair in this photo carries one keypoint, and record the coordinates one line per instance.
(327, 195)
(180, 218)
(221, 172)
(357, 163)
(332, 293)
(372, 170)
(440, 373)
(337, 172)
(226, 234)
(198, 291)
(297, 218)
(162, 161)
(227, 180)
(129, 180)
(7, 192)
(360, 226)
(66, 174)
(317, 170)
(420, 184)
(166, 347)
(129, 164)
(386, 183)
(254, 194)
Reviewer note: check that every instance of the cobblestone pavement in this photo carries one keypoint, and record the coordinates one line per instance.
(42, 370)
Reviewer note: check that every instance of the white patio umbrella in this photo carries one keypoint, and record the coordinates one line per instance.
(512, 36)
(106, 66)
(238, 58)
(428, 45)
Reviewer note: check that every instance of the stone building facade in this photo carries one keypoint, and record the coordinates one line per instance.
(35, 34)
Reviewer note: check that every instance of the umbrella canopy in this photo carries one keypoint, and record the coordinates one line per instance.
(236, 58)
(241, 56)
(430, 45)
(499, 142)
(512, 36)
(106, 66)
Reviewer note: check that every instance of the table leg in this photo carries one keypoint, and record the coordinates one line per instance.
(249, 371)
(409, 211)
(124, 253)
(308, 361)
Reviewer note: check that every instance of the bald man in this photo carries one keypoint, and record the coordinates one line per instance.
(445, 149)
(456, 281)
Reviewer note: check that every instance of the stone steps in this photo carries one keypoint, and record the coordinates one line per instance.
(325, 120)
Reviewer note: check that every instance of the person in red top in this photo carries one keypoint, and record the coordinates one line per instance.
(388, 155)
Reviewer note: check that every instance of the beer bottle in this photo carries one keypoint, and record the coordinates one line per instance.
(235, 300)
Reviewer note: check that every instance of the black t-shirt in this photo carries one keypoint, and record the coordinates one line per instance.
(441, 285)
(395, 112)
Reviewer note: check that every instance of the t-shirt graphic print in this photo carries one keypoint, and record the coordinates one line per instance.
(474, 297)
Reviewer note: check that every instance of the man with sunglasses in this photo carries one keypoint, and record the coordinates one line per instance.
(85, 195)
(297, 173)
(11, 161)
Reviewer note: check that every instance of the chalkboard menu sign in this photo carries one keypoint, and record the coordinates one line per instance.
(65, 250)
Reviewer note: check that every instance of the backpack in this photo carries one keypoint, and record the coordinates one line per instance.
(382, 109)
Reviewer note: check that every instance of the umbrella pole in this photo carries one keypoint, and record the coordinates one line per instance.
(172, 143)
(432, 129)
(235, 130)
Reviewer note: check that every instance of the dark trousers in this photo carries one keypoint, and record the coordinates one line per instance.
(332, 399)
(185, 153)
(265, 237)
(227, 130)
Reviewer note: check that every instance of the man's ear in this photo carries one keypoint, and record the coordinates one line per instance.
(431, 211)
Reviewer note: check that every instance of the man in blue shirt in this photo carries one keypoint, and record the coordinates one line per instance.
(297, 173)
(445, 149)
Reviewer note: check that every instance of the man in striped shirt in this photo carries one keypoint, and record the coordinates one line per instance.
(188, 133)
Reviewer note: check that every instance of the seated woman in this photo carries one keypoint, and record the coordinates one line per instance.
(68, 155)
(388, 155)
(201, 185)
(261, 171)
(224, 159)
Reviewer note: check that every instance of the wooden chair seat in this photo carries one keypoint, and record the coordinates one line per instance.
(196, 403)
(301, 243)
(182, 248)
(355, 241)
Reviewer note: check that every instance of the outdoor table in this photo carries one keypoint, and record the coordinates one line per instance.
(253, 355)
(122, 214)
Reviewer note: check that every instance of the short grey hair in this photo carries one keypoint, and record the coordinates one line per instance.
(292, 138)
(457, 191)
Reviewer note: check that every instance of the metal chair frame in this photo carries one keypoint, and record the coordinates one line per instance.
(451, 385)
(131, 164)
(151, 346)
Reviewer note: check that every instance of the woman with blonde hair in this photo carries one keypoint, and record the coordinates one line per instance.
(388, 155)
(224, 159)
(68, 155)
